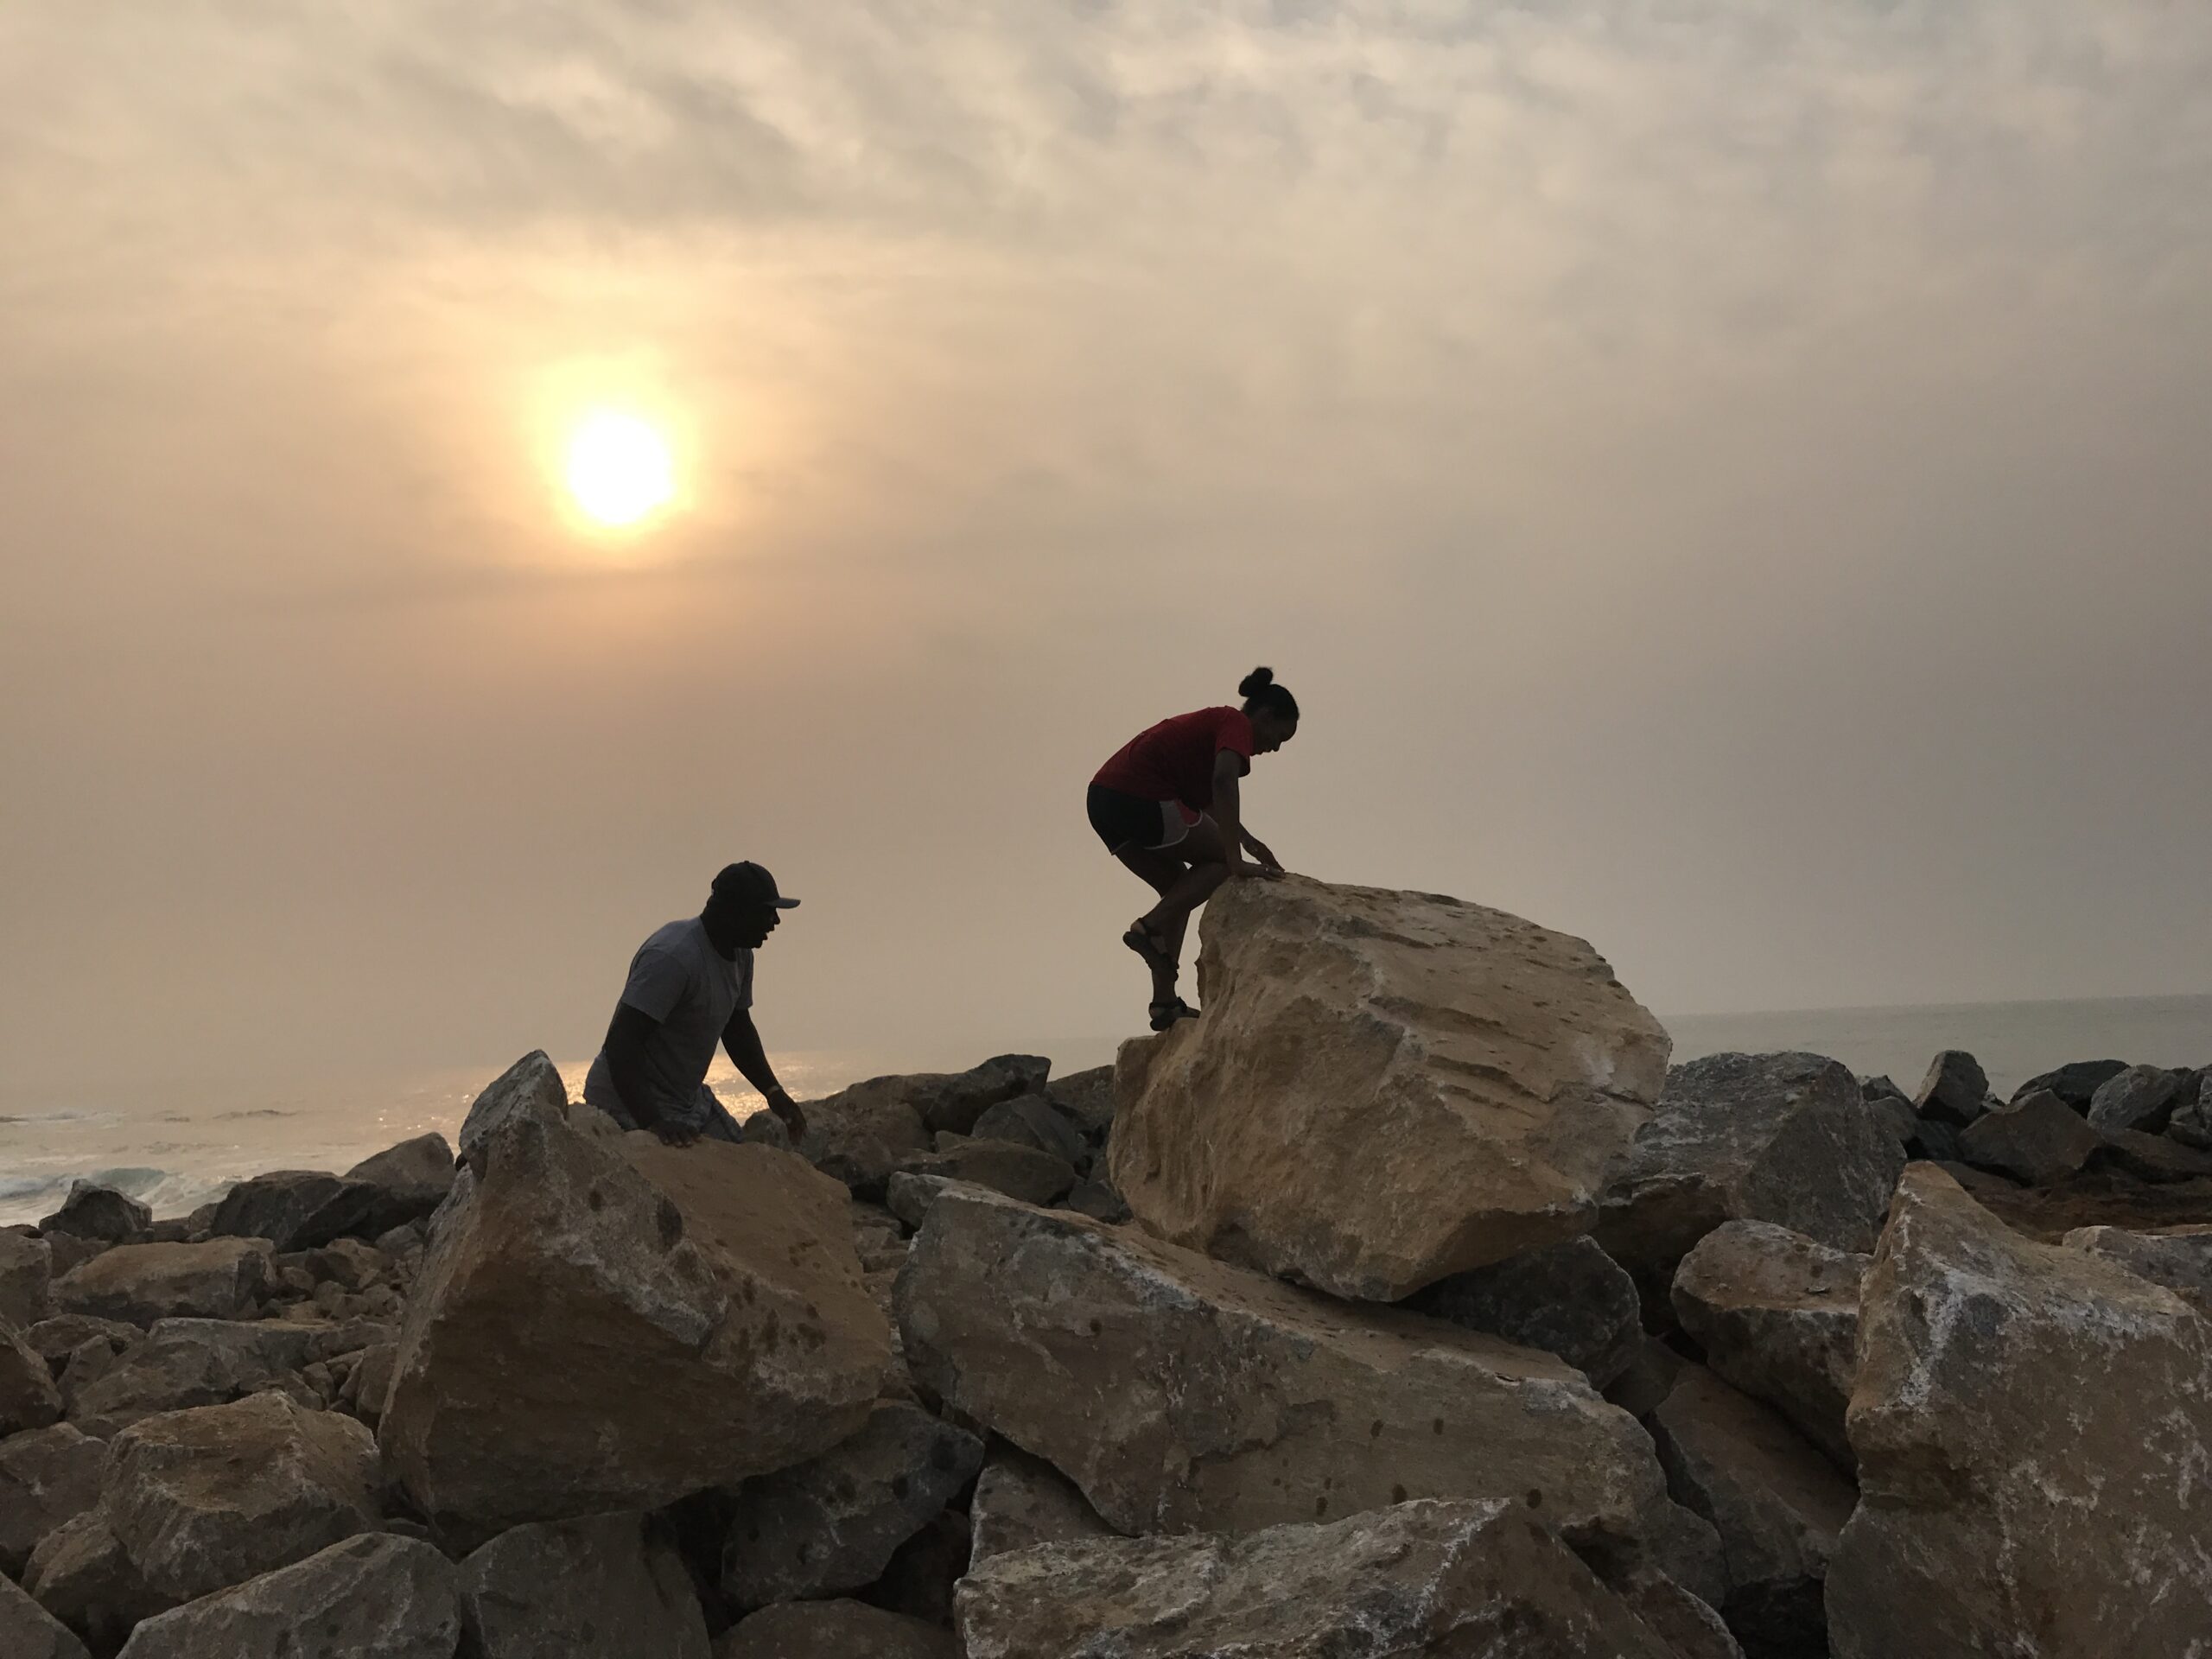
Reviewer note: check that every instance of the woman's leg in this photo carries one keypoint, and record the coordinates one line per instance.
(1160, 870)
(1199, 863)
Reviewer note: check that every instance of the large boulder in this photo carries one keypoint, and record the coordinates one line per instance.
(26, 1280)
(1087, 1098)
(1035, 1121)
(1571, 1300)
(2191, 1124)
(220, 1279)
(1385, 1089)
(1020, 1501)
(862, 1136)
(2038, 1139)
(1955, 1090)
(1784, 1137)
(30, 1397)
(203, 1499)
(1028, 1173)
(531, 1084)
(94, 1212)
(29, 1631)
(2181, 1260)
(607, 1323)
(278, 1206)
(1778, 1316)
(1181, 1394)
(601, 1588)
(47, 1477)
(416, 1174)
(2076, 1084)
(2141, 1098)
(186, 1363)
(945, 1102)
(80, 1574)
(1441, 1578)
(832, 1523)
(2033, 1425)
(835, 1630)
(1777, 1503)
(374, 1596)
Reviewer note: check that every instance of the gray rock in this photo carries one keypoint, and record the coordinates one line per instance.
(532, 1083)
(278, 1206)
(595, 1588)
(375, 1597)
(1213, 1397)
(1022, 1173)
(1434, 1578)
(1686, 1622)
(2032, 1425)
(47, 1476)
(953, 1102)
(2153, 1158)
(81, 1575)
(1020, 1501)
(1088, 1097)
(1955, 1090)
(71, 1252)
(1571, 1300)
(26, 1273)
(1777, 1503)
(210, 1498)
(1784, 1137)
(370, 1384)
(2076, 1084)
(29, 1631)
(98, 1213)
(2181, 1260)
(1649, 1379)
(2141, 1098)
(1034, 1120)
(1777, 1315)
(419, 1171)
(831, 1524)
(56, 1339)
(909, 1196)
(1895, 1113)
(2191, 1124)
(2039, 1139)
(1874, 1089)
(30, 1397)
(862, 1133)
(221, 1279)
(184, 1363)
(834, 1629)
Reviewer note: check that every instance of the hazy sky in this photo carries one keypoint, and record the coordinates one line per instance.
(1728, 480)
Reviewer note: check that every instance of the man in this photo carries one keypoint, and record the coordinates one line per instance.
(690, 986)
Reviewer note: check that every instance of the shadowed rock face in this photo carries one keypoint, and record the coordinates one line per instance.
(29, 1631)
(2033, 1424)
(1385, 1088)
(217, 1279)
(834, 1629)
(571, 1589)
(1181, 1395)
(1472, 1578)
(1785, 1138)
(608, 1323)
(2038, 1139)
(389, 1598)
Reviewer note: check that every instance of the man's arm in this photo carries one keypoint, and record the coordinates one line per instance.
(741, 1038)
(626, 1037)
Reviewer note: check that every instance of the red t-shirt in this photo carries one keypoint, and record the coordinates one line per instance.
(1173, 761)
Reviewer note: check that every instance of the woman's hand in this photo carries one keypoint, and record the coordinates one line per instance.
(1268, 862)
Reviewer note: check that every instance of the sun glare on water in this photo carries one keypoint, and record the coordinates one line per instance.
(619, 471)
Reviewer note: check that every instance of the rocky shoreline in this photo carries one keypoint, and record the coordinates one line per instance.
(1408, 1303)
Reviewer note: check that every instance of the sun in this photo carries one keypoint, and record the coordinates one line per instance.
(619, 471)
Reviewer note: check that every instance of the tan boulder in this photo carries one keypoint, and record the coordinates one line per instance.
(220, 1279)
(2033, 1426)
(1181, 1394)
(1778, 1316)
(607, 1323)
(1437, 1579)
(1385, 1088)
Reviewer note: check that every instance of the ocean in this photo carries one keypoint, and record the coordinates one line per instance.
(179, 1148)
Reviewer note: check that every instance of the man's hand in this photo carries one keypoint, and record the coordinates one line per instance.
(787, 1109)
(674, 1133)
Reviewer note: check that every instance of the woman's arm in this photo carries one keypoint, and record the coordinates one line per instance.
(1229, 811)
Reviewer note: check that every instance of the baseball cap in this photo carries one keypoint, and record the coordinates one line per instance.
(751, 884)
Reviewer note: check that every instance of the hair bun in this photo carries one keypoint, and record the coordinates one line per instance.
(1256, 682)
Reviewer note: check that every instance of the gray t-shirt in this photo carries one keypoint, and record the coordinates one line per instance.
(681, 979)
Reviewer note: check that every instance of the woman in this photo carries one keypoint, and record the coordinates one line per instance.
(1169, 807)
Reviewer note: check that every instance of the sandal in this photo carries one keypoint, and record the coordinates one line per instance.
(1166, 1014)
(1148, 944)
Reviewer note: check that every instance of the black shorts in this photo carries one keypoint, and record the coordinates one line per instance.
(1126, 821)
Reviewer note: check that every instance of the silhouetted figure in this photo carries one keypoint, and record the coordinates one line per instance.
(1168, 805)
(690, 986)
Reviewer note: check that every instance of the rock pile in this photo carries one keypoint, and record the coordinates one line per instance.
(1449, 1322)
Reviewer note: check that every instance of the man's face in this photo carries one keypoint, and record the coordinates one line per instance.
(755, 923)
